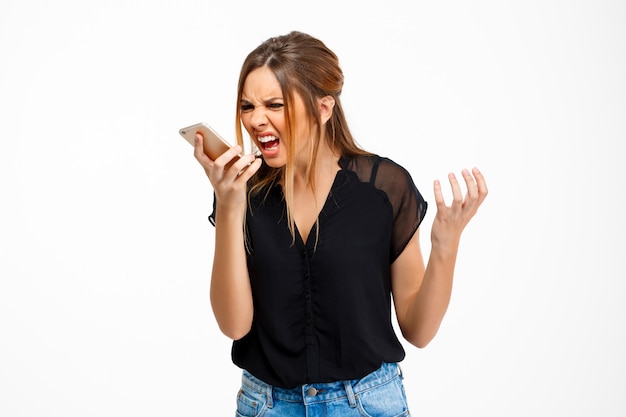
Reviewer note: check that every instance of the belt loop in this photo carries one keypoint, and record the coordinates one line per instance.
(270, 396)
(400, 371)
(350, 393)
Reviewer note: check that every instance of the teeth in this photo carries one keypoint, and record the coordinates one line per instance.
(265, 139)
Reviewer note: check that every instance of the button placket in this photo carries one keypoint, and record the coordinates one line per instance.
(309, 333)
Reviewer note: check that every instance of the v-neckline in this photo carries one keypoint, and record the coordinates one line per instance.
(322, 209)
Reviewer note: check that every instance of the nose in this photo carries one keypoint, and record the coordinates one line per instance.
(258, 119)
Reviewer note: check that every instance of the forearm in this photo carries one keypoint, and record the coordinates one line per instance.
(430, 303)
(422, 295)
(231, 295)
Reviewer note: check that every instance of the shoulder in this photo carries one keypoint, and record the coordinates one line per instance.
(369, 167)
(380, 171)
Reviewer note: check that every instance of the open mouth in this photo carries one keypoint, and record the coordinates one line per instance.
(268, 143)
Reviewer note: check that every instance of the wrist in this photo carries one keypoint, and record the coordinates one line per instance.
(229, 212)
(445, 248)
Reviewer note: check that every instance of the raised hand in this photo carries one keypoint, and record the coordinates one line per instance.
(450, 221)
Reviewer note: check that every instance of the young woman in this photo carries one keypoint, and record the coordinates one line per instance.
(313, 239)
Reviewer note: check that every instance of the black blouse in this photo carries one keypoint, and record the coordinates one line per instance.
(322, 308)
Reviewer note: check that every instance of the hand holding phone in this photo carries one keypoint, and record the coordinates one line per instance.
(214, 144)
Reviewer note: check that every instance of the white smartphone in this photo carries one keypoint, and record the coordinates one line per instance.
(214, 144)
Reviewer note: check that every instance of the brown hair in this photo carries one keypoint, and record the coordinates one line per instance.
(306, 66)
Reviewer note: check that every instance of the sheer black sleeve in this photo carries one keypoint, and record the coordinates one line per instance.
(409, 207)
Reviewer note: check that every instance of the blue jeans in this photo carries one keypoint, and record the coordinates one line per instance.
(379, 394)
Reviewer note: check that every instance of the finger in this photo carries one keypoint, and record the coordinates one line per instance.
(250, 169)
(470, 183)
(227, 157)
(240, 164)
(480, 183)
(457, 195)
(439, 201)
(198, 148)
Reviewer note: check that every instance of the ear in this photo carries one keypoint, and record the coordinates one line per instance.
(326, 105)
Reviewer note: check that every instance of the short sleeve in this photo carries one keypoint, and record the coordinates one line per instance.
(409, 207)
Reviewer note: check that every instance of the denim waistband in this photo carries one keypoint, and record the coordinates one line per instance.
(322, 392)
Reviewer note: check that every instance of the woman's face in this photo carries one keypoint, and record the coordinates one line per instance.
(263, 116)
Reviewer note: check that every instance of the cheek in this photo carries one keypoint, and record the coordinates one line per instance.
(245, 121)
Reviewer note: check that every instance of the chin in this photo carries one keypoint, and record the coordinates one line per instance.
(274, 162)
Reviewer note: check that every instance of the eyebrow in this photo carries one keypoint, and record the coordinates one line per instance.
(268, 100)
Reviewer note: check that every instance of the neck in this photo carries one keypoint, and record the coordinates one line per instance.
(326, 164)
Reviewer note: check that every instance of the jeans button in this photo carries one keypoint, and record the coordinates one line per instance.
(311, 392)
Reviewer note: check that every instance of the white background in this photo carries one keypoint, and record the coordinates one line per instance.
(106, 249)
